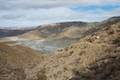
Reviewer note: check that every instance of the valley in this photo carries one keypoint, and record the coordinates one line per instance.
(49, 38)
(62, 51)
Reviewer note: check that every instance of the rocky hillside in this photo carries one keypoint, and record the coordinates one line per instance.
(14, 59)
(57, 30)
(96, 56)
(48, 38)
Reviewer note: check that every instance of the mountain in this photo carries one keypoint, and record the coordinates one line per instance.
(58, 35)
(12, 32)
(52, 30)
(95, 56)
(48, 37)
(113, 19)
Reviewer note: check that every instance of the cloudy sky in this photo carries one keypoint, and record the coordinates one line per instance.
(36, 12)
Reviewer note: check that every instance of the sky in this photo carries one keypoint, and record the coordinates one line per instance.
(25, 13)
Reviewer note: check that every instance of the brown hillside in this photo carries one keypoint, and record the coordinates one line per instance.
(56, 30)
(95, 57)
(32, 35)
(19, 55)
(14, 60)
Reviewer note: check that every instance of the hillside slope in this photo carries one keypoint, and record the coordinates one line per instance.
(95, 57)
(52, 31)
(15, 59)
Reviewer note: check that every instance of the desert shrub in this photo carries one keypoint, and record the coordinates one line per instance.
(71, 52)
(59, 50)
(19, 74)
(8, 73)
(79, 75)
(117, 41)
(107, 68)
(110, 32)
(71, 47)
(66, 49)
(41, 75)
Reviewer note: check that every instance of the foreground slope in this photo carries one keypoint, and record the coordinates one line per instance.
(14, 59)
(95, 57)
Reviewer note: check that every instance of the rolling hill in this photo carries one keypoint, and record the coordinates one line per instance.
(12, 32)
(54, 30)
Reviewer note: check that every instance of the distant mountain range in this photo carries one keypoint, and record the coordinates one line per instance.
(58, 29)
(14, 32)
(53, 30)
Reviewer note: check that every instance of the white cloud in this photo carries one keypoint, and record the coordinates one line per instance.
(12, 4)
(36, 12)
(33, 16)
(44, 16)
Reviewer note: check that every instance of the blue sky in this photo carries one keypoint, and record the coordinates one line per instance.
(24, 13)
(105, 7)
